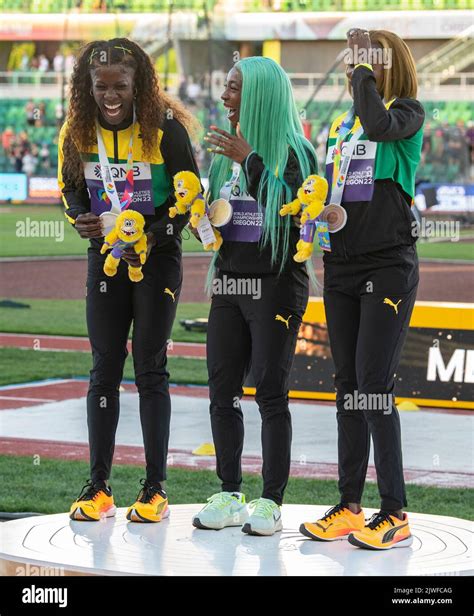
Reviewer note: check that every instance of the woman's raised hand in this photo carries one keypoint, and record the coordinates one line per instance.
(234, 147)
(358, 37)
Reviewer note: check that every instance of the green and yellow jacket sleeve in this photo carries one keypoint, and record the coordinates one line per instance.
(75, 198)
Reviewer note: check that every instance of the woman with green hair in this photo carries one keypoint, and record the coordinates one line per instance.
(259, 293)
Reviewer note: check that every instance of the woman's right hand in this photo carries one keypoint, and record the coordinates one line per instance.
(89, 225)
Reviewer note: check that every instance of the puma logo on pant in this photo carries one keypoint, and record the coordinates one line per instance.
(285, 321)
(169, 292)
(390, 303)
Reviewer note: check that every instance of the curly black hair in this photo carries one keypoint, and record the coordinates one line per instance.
(152, 105)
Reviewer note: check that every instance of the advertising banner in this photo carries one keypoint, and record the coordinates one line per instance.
(436, 368)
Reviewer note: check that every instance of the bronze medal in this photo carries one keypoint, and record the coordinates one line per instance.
(335, 216)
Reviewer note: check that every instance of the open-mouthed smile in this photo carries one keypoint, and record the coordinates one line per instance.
(113, 110)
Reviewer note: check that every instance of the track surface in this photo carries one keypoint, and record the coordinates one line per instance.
(64, 279)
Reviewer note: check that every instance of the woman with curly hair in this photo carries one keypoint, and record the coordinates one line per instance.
(119, 119)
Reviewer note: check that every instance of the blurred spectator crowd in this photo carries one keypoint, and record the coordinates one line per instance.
(25, 156)
(29, 139)
(44, 64)
(447, 152)
(32, 148)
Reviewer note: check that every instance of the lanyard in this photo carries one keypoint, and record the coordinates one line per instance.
(342, 161)
(226, 190)
(105, 170)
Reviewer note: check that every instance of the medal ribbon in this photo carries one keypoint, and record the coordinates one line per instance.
(117, 205)
(342, 161)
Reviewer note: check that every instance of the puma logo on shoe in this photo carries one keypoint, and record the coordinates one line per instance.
(278, 317)
(390, 534)
(323, 528)
(390, 303)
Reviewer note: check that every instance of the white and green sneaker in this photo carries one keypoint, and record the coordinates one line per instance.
(265, 518)
(222, 509)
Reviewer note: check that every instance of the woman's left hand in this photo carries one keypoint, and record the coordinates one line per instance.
(234, 147)
(130, 256)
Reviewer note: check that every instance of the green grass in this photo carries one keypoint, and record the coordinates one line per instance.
(67, 317)
(13, 245)
(51, 486)
(23, 366)
(446, 250)
(70, 244)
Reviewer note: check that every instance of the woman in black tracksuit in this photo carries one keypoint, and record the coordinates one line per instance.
(370, 285)
(112, 82)
(254, 327)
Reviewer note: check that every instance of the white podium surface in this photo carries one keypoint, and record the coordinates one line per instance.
(114, 546)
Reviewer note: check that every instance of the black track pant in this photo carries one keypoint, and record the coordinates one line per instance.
(244, 331)
(112, 305)
(366, 334)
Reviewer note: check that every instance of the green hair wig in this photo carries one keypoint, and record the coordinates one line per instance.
(270, 122)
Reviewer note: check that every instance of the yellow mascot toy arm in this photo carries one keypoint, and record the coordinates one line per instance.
(198, 209)
(140, 248)
(292, 208)
(312, 211)
(109, 240)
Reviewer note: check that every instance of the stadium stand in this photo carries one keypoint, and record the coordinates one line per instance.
(153, 6)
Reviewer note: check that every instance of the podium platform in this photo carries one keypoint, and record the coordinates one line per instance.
(53, 544)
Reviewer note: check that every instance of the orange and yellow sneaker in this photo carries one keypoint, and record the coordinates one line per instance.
(336, 524)
(151, 504)
(382, 532)
(94, 502)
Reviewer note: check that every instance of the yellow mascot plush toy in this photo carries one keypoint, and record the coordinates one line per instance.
(189, 197)
(310, 197)
(128, 232)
